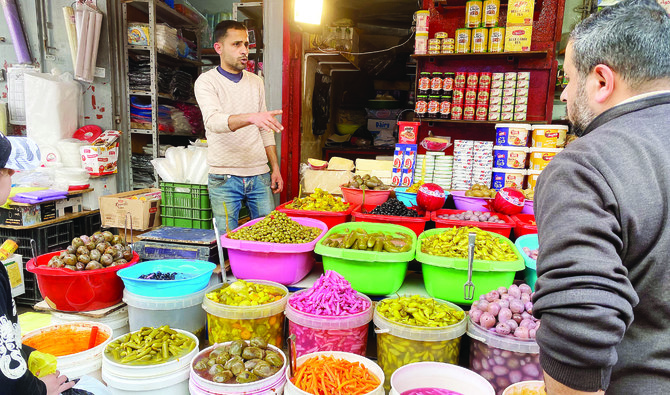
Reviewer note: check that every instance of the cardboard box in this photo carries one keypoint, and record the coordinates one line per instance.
(21, 215)
(69, 205)
(520, 13)
(145, 213)
(100, 160)
(518, 38)
(48, 211)
(379, 125)
(14, 267)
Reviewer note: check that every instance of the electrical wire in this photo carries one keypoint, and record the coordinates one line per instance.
(371, 52)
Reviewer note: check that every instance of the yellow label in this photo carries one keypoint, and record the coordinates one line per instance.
(518, 38)
(480, 38)
(520, 12)
(463, 40)
(14, 273)
(491, 13)
(473, 13)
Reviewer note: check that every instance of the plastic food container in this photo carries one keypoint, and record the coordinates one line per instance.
(372, 198)
(501, 229)
(181, 312)
(528, 207)
(509, 157)
(283, 263)
(549, 136)
(444, 277)
(465, 203)
(400, 344)
(169, 378)
(540, 157)
(87, 290)
(513, 178)
(525, 224)
(532, 178)
(192, 276)
(117, 320)
(534, 387)
(407, 198)
(329, 218)
(329, 333)
(227, 323)
(503, 360)
(291, 389)
(530, 272)
(439, 375)
(416, 224)
(72, 337)
(512, 134)
(369, 272)
(268, 386)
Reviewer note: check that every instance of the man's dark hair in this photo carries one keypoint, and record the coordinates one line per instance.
(222, 28)
(631, 37)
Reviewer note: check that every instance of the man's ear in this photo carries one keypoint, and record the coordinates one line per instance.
(602, 84)
(218, 47)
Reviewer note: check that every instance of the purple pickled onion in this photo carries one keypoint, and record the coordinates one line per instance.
(330, 295)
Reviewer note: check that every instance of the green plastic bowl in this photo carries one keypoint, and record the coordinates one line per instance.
(444, 277)
(369, 272)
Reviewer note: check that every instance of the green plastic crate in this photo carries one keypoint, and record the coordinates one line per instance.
(185, 205)
(369, 272)
(444, 277)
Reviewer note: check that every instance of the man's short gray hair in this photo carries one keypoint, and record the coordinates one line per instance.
(631, 37)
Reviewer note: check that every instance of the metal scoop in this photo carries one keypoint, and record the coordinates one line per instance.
(469, 287)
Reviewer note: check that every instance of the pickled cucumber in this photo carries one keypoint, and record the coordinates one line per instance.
(359, 239)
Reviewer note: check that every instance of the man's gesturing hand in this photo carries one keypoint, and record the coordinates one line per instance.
(266, 120)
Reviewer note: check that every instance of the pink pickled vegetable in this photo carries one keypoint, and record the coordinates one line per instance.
(309, 340)
(330, 295)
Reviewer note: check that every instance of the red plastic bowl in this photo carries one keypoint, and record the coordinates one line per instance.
(416, 224)
(70, 291)
(501, 229)
(372, 198)
(524, 226)
(330, 218)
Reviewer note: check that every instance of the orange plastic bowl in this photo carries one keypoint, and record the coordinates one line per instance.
(71, 291)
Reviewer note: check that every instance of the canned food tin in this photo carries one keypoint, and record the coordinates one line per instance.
(447, 49)
(495, 100)
(469, 113)
(522, 84)
(510, 76)
(449, 41)
(508, 108)
(481, 112)
(496, 84)
(509, 92)
(448, 82)
(521, 100)
(494, 116)
(520, 108)
(508, 100)
(434, 52)
(424, 82)
(436, 83)
(496, 92)
(457, 112)
(459, 81)
(445, 107)
(523, 76)
(459, 96)
(463, 37)
(483, 98)
(497, 76)
(491, 13)
(484, 80)
(509, 84)
(472, 79)
(521, 92)
(473, 13)
(520, 116)
(507, 116)
(496, 39)
(470, 96)
(480, 38)
(434, 47)
(494, 108)
(421, 106)
(441, 35)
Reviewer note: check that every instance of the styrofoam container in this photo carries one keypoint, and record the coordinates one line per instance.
(503, 360)
(169, 378)
(291, 389)
(116, 320)
(439, 375)
(273, 385)
(182, 312)
(282, 263)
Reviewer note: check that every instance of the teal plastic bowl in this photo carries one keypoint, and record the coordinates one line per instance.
(193, 276)
(530, 272)
(407, 198)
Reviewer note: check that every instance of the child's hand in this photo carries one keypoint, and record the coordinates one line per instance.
(56, 383)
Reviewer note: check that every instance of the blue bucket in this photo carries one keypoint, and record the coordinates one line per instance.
(192, 276)
(530, 272)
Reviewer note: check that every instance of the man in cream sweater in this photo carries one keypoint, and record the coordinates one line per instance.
(240, 131)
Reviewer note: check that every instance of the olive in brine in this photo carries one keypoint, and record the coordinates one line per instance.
(223, 377)
(215, 369)
(246, 377)
(236, 347)
(201, 365)
(258, 342)
(263, 369)
(274, 359)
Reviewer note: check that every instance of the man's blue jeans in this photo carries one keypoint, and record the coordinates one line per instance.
(233, 190)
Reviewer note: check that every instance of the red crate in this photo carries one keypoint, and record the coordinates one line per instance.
(501, 229)
(417, 224)
(329, 218)
(523, 224)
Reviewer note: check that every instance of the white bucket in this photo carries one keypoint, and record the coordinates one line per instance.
(439, 375)
(82, 363)
(291, 389)
(170, 378)
(117, 320)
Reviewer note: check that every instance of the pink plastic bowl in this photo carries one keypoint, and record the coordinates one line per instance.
(463, 202)
(528, 208)
(282, 263)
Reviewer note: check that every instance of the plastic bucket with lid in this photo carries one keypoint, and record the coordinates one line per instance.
(272, 385)
(313, 333)
(291, 389)
(512, 134)
(226, 323)
(439, 375)
(549, 136)
(183, 312)
(59, 338)
(503, 360)
(117, 320)
(502, 178)
(540, 157)
(169, 378)
(401, 344)
(506, 157)
(532, 178)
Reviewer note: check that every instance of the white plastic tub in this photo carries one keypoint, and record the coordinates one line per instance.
(182, 312)
(117, 320)
(439, 375)
(169, 378)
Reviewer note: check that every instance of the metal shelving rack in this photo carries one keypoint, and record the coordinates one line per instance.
(158, 12)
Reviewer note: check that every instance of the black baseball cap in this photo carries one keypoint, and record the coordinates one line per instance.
(18, 153)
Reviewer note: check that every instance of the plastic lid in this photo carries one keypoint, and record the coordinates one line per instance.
(513, 125)
(518, 171)
(509, 148)
(329, 322)
(549, 127)
(421, 333)
(503, 342)
(533, 149)
(245, 312)
(170, 303)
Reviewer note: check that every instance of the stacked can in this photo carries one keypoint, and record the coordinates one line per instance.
(434, 46)
(480, 38)
(470, 98)
(509, 96)
(483, 94)
(482, 162)
(421, 39)
(463, 39)
(458, 98)
(443, 170)
(496, 39)
(425, 165)
(434, 100)
(463, 164)
(448, 45)
(447, 95)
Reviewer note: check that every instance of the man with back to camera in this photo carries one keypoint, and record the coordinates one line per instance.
(239, 131)
(603, 213)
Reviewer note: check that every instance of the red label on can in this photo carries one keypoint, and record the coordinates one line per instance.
(459, 95)
(456, 112)
(459, 82)
(470, 96)
(485, 80)
(472, 80)
(481, 113)
(469, 113)
(483, 98)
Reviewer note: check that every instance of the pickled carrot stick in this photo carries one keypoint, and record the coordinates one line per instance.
(330, 376)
